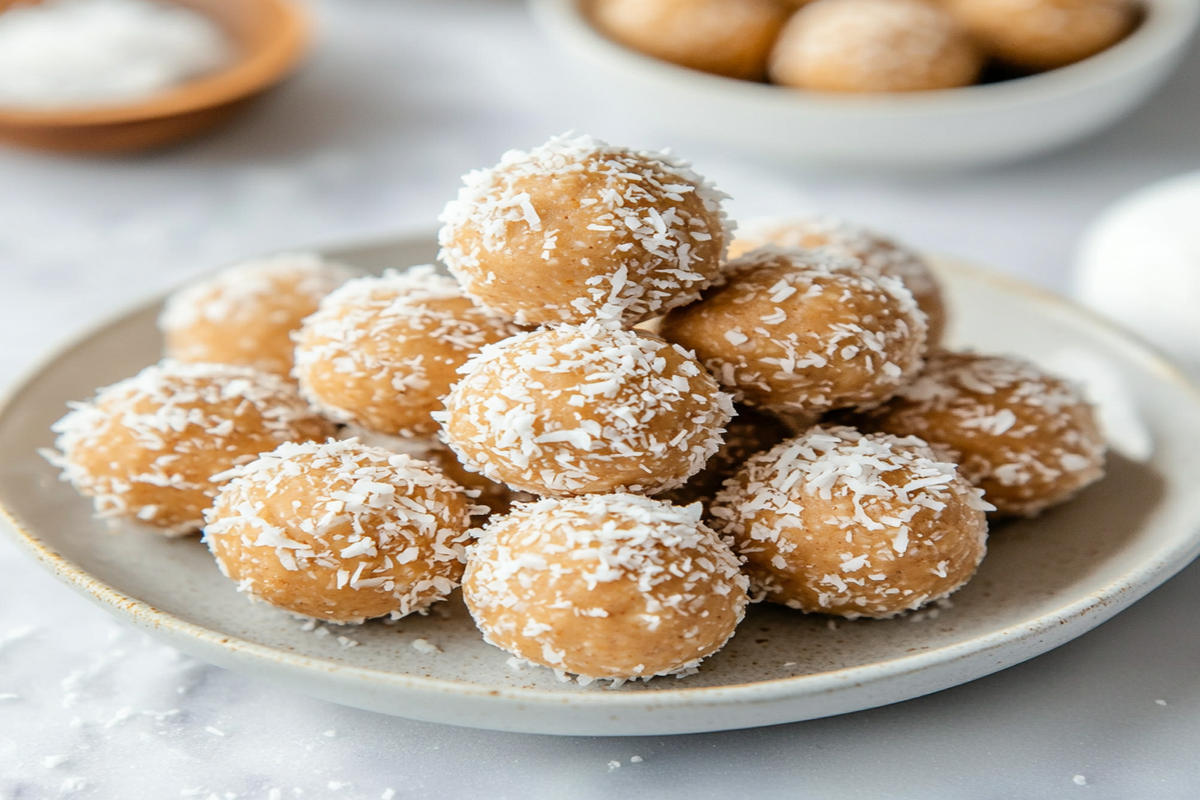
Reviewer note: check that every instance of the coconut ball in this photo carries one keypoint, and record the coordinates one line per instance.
(749, 432)
(246, 314)
(592, 408)
(1028, 439)
(836, 521)
(874, 254)
(381, 352)
(340, 531)
(146, 448)
(1045, 34)
(605, 586)
(798, 333)
(874, 46)
(578, 229)
(725, 37)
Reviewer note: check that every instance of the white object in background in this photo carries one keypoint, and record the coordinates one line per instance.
(1139, 263)
(91, 52)
(947, 128)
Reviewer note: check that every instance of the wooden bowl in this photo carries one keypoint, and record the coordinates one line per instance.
(271, 36)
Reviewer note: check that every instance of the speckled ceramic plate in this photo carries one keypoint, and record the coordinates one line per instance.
(1044, 582)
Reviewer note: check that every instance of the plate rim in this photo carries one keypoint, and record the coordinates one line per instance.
(1088, 610)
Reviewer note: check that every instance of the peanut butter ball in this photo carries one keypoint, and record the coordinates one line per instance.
(798, 332)
(381, 352)
(340, 531)
(578, 229)
(246, 314)
(874, 46)
(874, 254)
(605, 586)
(1045, 34)
(840, 522)
(725, 37)
(579, 409)
(1028, 439)
(146, 448)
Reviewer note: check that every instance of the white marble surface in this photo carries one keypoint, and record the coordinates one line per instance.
(400, 98)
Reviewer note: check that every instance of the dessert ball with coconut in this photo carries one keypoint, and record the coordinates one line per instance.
(874, 46)
(1028, 439)
(799, 332)
(569, 410)
(605, 586)
(381, 352)
(725, 37)
(874, 254)
(577, 229)
(340, 531)
(146, 448)
(840, 522)
(246, 314)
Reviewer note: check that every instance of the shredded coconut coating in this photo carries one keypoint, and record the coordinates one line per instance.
(874, 46)
(382, 352)
(605, 586)
(840, 522)
(1028, 439)
(725, 37)
(246, 314)
(146, 448)
(1045, 34)
(578, 409)
(798, 332)
(874, 255)
(749, 432)
(577, 229)
(340, 531)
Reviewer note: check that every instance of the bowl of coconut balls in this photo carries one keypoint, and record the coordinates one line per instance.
(893, 84)
(613, 425)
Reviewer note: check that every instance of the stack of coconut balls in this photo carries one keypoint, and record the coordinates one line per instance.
(657, 434)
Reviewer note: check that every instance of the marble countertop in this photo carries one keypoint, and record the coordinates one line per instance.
(400, 98)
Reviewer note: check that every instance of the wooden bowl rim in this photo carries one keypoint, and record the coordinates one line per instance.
(268, 63)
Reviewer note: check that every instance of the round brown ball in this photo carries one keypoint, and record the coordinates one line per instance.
(605, 586)
(796, 332)
(147, 448)
(1045, 34)
(725, 37)
(577, 229)
(874, 254)
(382, 352)
(840, 522)
(246, 314)
(874, 46)
(1028, 439)
(580, 409)
(340, 531)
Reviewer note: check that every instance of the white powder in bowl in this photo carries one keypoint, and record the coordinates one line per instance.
(72, 53)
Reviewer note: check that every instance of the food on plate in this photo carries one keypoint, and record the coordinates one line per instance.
(837, 521)
(146, 448)
(577, 229)
(1028, 439)
(246, 314)
(1044, 34)
(381, 352)
(605, 586)
(340, 531)
(801, 332)
(874, 46)
(876, 255)
(572, 409)
(725, 37)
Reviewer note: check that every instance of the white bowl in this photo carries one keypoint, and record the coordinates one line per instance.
(946, 128)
